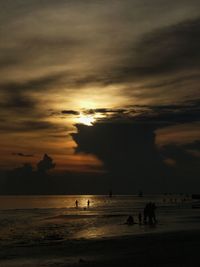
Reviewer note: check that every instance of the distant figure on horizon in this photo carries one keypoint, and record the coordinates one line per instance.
(76, 203)
(88, 203)
(130, 220)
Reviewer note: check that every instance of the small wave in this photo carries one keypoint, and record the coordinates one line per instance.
(85, 216)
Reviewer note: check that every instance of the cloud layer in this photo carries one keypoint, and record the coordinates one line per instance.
(129, 62)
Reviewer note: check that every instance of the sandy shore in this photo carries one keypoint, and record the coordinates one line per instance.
(167, 249)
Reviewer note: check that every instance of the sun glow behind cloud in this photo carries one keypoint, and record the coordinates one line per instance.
(66, 60)
(86, 119)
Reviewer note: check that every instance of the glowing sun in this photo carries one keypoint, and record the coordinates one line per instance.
(86, 119)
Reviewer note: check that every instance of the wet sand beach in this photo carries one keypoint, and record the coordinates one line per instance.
(173, 249)
(51, 232)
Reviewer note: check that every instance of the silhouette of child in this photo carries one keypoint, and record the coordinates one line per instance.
(130, 220)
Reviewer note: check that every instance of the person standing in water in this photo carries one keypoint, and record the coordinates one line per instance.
(140, 218)
(88, 203)
(76, 203)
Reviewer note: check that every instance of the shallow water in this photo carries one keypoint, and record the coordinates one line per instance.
(42, 219)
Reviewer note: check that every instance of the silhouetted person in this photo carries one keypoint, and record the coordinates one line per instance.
(76, 203)
(130, 220)
(140, 218)
(151, 207)
(88, 203)
(149, 213)
(145, 213)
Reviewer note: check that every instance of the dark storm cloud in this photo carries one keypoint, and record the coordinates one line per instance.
(126, 146)
(184, 112)
(70, 112)
(162, 51)
(186, 163)
(45, 164)
(26, 180)
(40, 83)
(133, 161)
(128, 152)
(173, 82)
(188, 111)
(37, 125)
(65, 54)
(104, 110)
(171, 114)
(171, 50)
(38, 47)
(85, 31)
(23, 155)
(17, 101)
(47, 43)
(31, 126)
(8, 60)
(181, 154)
(193, 146)
(168, 49)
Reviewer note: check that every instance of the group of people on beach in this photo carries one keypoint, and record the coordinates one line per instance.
(149, 215)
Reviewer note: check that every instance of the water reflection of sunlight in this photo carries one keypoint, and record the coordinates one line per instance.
(92, 232)
(83, 200)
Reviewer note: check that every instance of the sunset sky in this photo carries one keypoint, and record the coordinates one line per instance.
(77, 74)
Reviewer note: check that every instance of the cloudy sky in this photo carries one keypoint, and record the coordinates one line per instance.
(96, 84)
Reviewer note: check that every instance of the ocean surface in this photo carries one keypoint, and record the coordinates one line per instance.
(28, 220)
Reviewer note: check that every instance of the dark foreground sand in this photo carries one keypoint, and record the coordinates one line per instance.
(167, 249)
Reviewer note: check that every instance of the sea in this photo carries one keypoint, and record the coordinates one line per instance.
(32, 220)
